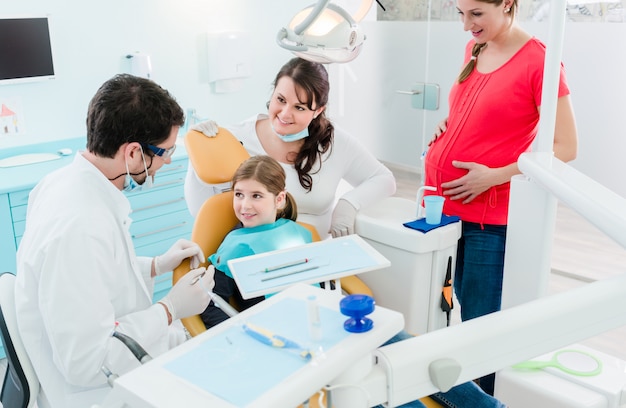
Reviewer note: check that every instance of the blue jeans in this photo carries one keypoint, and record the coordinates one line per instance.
(466, 395)
(478, 275)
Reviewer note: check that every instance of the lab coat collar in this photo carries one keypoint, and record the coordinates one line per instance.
(118, 200)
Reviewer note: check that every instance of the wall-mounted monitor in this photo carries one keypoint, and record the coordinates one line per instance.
(25, 49)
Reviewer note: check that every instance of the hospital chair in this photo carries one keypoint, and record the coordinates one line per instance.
(20, 386)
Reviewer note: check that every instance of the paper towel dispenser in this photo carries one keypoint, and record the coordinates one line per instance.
(229, 60)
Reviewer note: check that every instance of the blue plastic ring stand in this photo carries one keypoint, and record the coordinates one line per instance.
(357, 307)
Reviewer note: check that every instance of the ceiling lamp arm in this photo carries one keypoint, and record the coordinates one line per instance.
(295, 34)
(310, 19)
(284, 33)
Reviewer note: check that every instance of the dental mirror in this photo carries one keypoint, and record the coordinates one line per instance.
(574, 362)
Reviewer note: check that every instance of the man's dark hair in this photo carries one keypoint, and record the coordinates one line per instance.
(127, 108)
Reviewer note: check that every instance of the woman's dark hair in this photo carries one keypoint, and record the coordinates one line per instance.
(127, 108)
(312, 78)
(471, 64)
(271, 175)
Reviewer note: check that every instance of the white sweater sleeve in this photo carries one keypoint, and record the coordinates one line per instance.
(371, 180)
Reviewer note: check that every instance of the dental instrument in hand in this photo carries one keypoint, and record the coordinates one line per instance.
(217, 299)
(267, 337)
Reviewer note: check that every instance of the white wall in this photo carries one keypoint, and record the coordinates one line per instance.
(91, 39)
(595, 55)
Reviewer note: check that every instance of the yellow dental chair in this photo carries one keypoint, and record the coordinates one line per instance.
(215, 160)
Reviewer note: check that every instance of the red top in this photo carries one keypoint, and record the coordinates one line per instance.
(493, 119)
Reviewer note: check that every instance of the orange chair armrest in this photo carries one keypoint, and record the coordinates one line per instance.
(353, 285)
(430, 403)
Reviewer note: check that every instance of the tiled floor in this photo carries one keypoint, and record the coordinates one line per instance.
(581, 255)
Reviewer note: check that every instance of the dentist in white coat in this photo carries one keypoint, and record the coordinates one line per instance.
(78, 278)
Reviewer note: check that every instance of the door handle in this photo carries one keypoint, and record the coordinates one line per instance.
(413, 92)
(423, 96)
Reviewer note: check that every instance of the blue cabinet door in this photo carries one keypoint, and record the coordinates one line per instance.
(7, 237)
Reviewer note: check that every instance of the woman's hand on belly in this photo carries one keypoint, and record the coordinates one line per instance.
(441, 127)
(478, 179)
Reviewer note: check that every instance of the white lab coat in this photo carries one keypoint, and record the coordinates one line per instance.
(77, 275)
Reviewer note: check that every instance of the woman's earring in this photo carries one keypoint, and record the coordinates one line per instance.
(507, 10)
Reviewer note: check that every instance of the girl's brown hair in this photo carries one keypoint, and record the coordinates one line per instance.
(271, 175)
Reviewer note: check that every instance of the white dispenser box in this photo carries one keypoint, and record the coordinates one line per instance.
(229, 60)
(413, 283)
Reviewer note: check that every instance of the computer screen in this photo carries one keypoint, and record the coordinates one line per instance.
(25, 49)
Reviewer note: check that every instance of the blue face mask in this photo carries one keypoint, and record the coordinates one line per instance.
(293, 137)
(130, 184)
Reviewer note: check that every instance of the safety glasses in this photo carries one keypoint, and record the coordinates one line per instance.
(159, 151)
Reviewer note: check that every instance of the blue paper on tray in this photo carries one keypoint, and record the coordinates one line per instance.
(421, 224)
(239, 369)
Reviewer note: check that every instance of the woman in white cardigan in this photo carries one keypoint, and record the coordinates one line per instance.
(314, 154)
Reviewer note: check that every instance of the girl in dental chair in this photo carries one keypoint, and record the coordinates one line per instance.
(267, 215)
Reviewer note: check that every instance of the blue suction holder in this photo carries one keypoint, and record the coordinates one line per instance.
(357, 307)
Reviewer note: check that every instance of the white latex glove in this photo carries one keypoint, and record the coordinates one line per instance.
(208, 127)
(174, 256)
(190, 295)
(342, 222)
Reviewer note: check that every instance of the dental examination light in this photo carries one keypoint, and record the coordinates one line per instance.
(325, 33)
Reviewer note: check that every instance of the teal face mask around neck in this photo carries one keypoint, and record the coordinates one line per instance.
(131, 185)
(293, 137)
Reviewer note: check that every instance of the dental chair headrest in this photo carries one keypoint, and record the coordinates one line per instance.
(215, 159)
